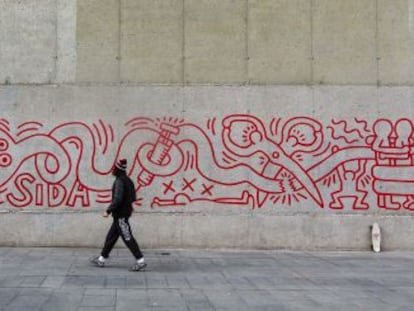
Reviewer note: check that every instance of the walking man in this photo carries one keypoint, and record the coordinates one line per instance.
(123, 195)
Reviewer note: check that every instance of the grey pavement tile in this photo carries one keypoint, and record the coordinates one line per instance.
(84, 252)
(239, 282)
(84, 281)
(35, 291)
(226, 300)
(170, 267)
(269, 282)
(156, 280)
(98, 301)
(20, 251)
(328, 301)
(27, 302)
(140, 295)
(116, 282)
(112, 268)
(136, 299)
(196, 300)
(11, 268)
(100, 292)
(7, 295)
(178, 281)
(132, 306)
(294, 300)
(393, 298)
(63, 279)
(63, 300)
(32, 281)
(45, 265)
(397, 280)
(258, 299)
(53, 281)
(33, 272)
(208, 281)
(96, 309)
(199, 305)
(165, 298)
(11, 281)
(345, 282)
(204, 265)
(136, 281)
(4, 251)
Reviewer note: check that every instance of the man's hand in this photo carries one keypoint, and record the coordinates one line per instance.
(105, 214)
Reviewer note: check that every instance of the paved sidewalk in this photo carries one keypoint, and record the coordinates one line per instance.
(62, 279)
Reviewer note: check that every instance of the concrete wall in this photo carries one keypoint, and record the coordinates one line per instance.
(180, 42)
(281, 109)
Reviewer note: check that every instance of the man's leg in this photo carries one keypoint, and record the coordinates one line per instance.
(128, 238)
(110, 240)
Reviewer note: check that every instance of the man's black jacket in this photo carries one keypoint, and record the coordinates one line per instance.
(123, 195)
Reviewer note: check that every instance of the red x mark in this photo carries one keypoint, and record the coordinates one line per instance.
(188, 184)
(168, 187)
(207, 189)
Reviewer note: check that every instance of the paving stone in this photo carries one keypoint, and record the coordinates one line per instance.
(64, 300)
(210, 280)
(165, 298)
(84, 281)
(136, 282)
(27, 302)
(177, 281)
(98, 301)
(96, 309)
(229, 300)
(132, 300)
(116, 282)
(32, 281)
(196, 300)
(156, 280)
(7, 295)
(11, 281)
(53, 281)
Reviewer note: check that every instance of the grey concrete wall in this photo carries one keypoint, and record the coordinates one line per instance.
(278, 218)
(341, 42)
(284, 72)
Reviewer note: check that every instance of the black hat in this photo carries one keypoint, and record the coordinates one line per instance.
(121, 164)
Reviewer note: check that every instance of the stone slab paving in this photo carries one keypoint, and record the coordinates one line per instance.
(62, 279)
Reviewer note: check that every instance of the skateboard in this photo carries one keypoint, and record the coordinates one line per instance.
(376, 237)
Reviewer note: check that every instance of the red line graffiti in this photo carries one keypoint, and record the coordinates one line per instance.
(347, 164)
(168, 187)
(188, 184)
(207, 189)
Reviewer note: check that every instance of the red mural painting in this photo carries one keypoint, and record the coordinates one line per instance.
(239, 160)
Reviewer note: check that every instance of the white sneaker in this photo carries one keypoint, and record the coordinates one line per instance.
(138, 267)
(97, 262)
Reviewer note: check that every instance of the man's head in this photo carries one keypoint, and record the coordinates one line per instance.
(119, 167)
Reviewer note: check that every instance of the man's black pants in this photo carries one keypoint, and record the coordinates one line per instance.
(121, 227)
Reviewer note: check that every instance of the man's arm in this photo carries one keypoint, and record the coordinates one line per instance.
(117, 197)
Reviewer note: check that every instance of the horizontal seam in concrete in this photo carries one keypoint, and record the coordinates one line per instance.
(206, 214)
(117, 84)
